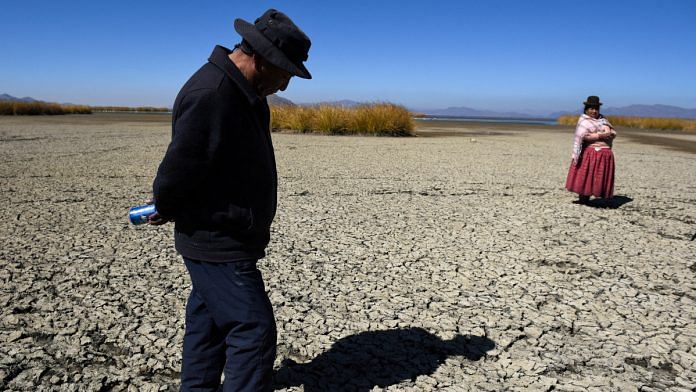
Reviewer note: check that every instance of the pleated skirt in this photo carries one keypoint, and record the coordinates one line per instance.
(594, 173)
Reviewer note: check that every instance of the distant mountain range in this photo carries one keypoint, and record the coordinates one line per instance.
(272, 100)
(462, 111)
(8, 97)
(631, 110)
(641, 111)
(346, 103)
(275, 100)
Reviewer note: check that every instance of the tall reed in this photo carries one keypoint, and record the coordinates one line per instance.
(384, 119)
(640, 122)
(40, 108)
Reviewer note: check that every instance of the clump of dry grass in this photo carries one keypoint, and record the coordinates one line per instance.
(654, 122)
(292, 118)
(567, 120)
(383, 119)
(640, 122)
(46, 108)
(11, 108)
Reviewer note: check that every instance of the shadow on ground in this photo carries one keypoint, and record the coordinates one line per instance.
(378, 358)
(613, 203)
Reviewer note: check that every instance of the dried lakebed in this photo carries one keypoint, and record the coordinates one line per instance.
(412, 264)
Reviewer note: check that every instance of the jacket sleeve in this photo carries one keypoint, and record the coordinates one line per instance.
(186, 163)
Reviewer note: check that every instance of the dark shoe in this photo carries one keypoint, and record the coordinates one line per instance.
(584, 200)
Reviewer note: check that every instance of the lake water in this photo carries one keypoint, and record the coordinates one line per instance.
(535, 121)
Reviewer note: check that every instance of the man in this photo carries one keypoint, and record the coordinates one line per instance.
(218, 182)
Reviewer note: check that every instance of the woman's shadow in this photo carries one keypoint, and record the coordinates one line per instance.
(612, 203)
(378, 358)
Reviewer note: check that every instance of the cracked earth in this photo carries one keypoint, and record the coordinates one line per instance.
(396, 264)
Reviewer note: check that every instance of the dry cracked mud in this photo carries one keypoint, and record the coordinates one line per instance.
(398, 264)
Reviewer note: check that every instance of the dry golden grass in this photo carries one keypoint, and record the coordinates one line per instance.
(567, 120)
(383, 119)
(640, 122)
(39, 108)
(47, 108)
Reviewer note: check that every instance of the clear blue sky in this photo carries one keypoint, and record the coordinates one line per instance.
(540, 56)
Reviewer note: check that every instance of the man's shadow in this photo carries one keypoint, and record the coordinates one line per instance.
(378, 358)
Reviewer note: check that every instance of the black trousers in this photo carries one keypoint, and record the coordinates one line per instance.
(230, 328)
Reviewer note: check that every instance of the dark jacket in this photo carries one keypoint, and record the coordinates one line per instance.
(218, 178)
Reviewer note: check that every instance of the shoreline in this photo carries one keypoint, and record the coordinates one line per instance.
(684, 141)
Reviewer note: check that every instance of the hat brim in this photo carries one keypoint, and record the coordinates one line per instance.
(592, 103)
(267, 50)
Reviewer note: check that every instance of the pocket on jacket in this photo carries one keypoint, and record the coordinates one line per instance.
(236, 217)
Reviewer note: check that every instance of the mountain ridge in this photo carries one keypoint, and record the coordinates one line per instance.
(638, 110)
(464, 111)
(272, 100)
(8, 97)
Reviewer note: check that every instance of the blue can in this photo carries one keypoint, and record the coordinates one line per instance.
(138, 214)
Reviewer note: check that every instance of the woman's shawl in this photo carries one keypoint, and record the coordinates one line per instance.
(586, 125)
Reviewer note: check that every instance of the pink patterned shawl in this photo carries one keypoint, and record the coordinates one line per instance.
(586, 125)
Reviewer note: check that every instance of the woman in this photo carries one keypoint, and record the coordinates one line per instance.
(592, 169)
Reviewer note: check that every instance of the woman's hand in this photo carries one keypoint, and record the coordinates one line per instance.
(604, 135)
(609, 135)
(594, 137)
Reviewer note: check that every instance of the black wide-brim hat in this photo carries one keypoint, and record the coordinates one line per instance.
(592, 100)
(278, 40)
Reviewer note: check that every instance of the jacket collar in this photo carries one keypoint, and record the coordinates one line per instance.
(219, 59)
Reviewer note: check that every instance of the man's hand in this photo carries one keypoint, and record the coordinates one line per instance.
(156, 219)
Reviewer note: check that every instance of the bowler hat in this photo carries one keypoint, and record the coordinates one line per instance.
(592, 100)
(278, 40)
